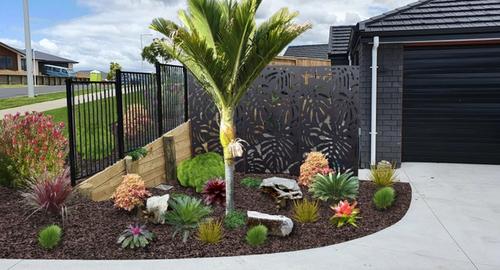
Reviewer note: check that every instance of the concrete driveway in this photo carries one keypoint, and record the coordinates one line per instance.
(453, 223)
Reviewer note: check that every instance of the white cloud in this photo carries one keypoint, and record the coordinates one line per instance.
(112, 30)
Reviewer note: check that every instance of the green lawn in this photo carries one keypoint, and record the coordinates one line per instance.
(7, 103)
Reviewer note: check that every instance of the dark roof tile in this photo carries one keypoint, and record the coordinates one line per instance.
(319, 51)
(340, 36)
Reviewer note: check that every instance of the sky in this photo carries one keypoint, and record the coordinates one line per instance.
(96, 32)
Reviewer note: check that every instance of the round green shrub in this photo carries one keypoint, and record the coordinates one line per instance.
(257, 235)
(50, 236)
(384, 198)
(197, 171)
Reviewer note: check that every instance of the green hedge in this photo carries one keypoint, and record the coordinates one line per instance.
(197, 171)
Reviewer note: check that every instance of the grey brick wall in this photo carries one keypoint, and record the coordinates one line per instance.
(389, 102)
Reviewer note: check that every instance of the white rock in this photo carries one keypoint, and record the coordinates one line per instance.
(158, 205)
(285, 188)
(276, 224)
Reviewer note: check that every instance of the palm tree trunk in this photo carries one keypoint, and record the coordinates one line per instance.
(227, 135)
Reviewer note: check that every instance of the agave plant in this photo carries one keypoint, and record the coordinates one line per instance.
(335, 186)
(135, 236)
(187, 212)
(225, 50)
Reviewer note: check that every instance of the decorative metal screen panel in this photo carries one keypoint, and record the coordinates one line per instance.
(288, 112)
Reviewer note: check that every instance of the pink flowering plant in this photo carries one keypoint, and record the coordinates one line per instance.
(34, 143)
(345, 213)
(135, 236)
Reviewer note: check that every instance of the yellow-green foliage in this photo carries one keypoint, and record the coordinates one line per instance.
(383, 174)
(197, 171)
(257, 235)
(315, 163)
(210, 232)
(306, 211)
(50, 236)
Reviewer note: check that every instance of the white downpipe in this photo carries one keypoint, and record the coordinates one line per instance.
(373, 132)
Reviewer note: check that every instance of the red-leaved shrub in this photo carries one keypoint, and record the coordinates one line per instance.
(135, 119)
(214, 192)
(50, 193)
(34, 143)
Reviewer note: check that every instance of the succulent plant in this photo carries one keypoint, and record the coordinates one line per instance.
(345, 213)
(135, 236)
(214, 192)
(335, 186)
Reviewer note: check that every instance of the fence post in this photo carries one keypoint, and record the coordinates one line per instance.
(71, 129)
(159, 98)
(119, 112)
(186, 93)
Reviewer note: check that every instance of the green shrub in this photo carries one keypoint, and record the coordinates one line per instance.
(8, 174)
(251, 182)
(49, 237)
(210, 232)
(138, 153)
(306, 211)
(186, 214)
(383, 174)
(197, 171)
(335, 186)
(257, 235)
(384, 198)
(234, 220)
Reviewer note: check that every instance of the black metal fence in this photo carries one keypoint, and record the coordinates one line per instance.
(106, 120)
(288, 112)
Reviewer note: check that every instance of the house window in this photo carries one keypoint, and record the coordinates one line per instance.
(23, 64)
(6, 62)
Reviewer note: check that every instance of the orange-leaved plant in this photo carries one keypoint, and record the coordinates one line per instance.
(315, 163)
(344, 213)
(131, 192)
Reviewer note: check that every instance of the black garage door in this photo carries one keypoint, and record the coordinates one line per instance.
(451, 104)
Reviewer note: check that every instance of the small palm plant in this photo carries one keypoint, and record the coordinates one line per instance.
(225, 50)
(187, 212)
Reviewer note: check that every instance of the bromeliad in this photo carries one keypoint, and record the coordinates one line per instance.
(344, 213)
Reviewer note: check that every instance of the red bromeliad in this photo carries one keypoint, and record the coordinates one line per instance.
(345, 213)
(215, 192)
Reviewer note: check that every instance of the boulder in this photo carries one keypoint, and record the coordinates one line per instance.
(282, 187)
(157, 206)
(276, 224)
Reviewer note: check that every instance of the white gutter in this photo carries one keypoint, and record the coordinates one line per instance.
(373, 132)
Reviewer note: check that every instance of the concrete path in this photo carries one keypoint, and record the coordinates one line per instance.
(23, 91)
(453, 223)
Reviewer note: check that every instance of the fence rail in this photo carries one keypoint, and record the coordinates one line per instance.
(12, 79)
(107, 120)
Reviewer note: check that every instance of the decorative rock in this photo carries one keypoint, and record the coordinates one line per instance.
(164, 187)
(285, 188)
(276, 224)
(157, 206)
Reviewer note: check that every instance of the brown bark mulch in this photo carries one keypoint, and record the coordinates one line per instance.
(92, 228)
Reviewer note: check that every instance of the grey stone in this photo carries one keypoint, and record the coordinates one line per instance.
(276, 224)
(285, 188)
(157, 206)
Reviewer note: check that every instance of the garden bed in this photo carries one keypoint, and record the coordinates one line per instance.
(93, 227)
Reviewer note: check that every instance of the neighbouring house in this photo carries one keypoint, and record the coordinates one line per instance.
(429, 82)
(304, 55)
(86, 74)
(338, 44)
(13, 61)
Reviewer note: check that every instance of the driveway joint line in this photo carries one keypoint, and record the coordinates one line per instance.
(439, 220)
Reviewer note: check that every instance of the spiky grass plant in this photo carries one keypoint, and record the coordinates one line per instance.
(335, 186)
(187, 212)
(383, 174)
(384, 198)
(251, 182)
(225, 49)
(49, 237)
(257, 235)
(235, 220)
(305, 211)
(210, 232)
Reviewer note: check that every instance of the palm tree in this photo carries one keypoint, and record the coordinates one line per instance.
(221, 44)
